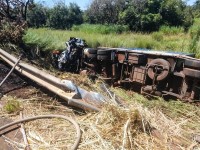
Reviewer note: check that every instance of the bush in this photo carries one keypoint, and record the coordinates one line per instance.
(158, 36)
(167, 30)
(102, 29)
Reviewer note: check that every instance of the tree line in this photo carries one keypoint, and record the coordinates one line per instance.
(138, 15)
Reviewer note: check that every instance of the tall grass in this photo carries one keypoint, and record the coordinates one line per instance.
(195, 37)
(167, 30)
(55, 39)
(102, 29)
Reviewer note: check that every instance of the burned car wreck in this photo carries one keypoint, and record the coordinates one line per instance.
(156, 73)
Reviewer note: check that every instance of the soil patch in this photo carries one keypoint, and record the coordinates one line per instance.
(13, 82)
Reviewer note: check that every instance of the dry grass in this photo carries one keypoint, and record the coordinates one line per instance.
(133, 127)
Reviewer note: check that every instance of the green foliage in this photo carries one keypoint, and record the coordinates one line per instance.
(150, 22)
(63, 17)
(195, 37)
(143, 15)
(167, 30)
(12, 106)
(172, 12)
(58, 17)
(37, 16)
(188, 18)
(104, 11)
(158, 36)
(102, 29)
(129, 18)
(196, 9)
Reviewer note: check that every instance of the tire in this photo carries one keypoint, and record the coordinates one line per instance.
(191, 72)
(91, 50)
(103, 57)
(192, 63)
(104, 52)
(163, 74)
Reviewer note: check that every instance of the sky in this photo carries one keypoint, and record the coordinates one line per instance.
(83, 4)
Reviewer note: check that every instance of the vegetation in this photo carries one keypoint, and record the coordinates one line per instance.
(12, 106)
(48, 39)
(108, 17)
(11, 32)
(195, 37)
(102, 29)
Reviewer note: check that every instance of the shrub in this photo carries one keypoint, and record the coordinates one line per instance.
(158, 36)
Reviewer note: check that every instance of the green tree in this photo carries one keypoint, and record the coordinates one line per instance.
(104, 11)
(63, 17)
(75, 14)
(142, 15)
(196, 9)
(58, 17)
(130, 17)
(37, 16)
(172, 12)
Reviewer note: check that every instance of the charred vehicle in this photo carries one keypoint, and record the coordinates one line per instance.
(70, 59)
(155, 73)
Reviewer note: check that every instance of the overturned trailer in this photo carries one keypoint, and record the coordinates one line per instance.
(159, 73)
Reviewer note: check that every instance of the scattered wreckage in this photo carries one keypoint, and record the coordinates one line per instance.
(154, 73)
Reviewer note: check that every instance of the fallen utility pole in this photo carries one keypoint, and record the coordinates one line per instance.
(74, 95)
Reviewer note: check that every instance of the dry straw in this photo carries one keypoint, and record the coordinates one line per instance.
(115, 127)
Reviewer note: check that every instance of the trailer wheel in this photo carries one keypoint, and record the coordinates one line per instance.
(192, 63)
(191, 72)
(162, 68)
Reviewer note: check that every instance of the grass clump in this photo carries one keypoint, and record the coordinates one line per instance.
(102, 29)
(12, 106)
(158, 36)
(167, 30)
